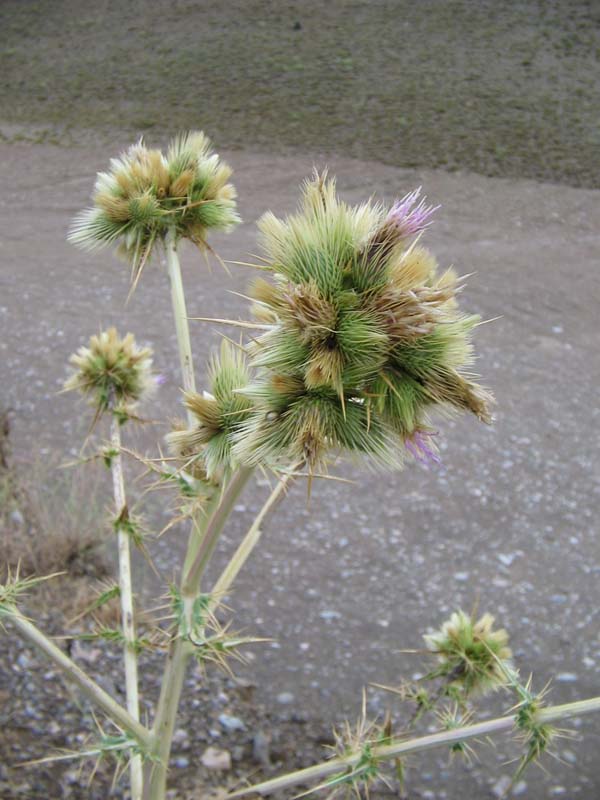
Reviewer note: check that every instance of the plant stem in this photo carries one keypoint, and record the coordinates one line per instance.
(181, 319)
(390, 751)
(155, 782)
(90, 688)
(194, 567)
(251, 539)
(201, 545)
(126, 594)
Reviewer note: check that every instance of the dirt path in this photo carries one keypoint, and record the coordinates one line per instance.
(510, 519)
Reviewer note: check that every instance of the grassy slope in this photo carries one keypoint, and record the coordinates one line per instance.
(502, 88)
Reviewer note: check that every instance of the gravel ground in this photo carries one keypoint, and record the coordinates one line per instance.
(342, 585)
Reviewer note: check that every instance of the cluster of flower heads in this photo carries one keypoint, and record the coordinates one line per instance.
(112, 372)
(146, 194)
(473, 657)
(362, 339)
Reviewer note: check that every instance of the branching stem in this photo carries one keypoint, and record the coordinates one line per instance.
(439, 739)
(251, 539)
(74, 673)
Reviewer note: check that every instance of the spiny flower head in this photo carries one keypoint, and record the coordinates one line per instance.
(409, 218)
(113, 372)
(363, 337)
(473, 656)
(146, 194)
(219, 414)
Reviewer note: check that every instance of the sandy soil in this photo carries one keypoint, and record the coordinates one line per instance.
(510, 519)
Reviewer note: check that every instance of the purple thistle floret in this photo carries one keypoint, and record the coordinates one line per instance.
(408, 220)
(160, 379)
(418, 446)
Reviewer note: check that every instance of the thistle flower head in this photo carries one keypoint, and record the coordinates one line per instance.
(409, 218)
(363, 337)
(113, 372)
(219, 414)
(473, 657)
(146, 194)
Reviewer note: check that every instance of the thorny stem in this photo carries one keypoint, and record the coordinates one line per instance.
(126, 594)
(439, 739)
(90, 688)
(195, 567)
(201, 543)
(200, 547)
(251, 538)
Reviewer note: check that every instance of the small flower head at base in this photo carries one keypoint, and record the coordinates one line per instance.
(473, 657)
(408, 218)
(112, 372)
(219, 415)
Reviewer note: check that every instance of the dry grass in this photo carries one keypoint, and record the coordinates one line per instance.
(53, 520)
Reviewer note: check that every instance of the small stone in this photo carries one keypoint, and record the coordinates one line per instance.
(461, 576)
(519, 788)
(231, 723)
(214, 758)
(182, 762)
(17, 518)
(261, 749)
(501, 786)
(569, 756)
(566, 677)
(285, 698)
(23, 661)
(238, 752)
(506, 558)
(180, 736)
(329, 614)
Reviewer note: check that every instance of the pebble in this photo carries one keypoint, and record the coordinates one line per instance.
(501, 786)
(231, 723)
(566, 677)
(214, 758)
(182, 762)
(519, 788)
(506, 558)
(261, 749)
(17, 518)
(180, 737)
(285, 698)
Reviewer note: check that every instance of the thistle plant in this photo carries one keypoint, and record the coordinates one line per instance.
(358, 342)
